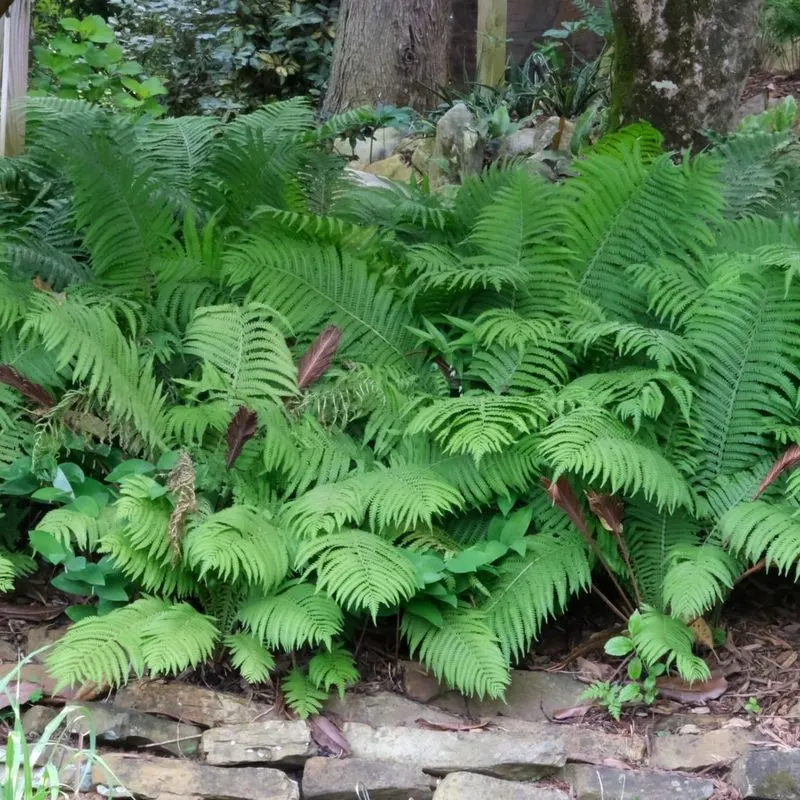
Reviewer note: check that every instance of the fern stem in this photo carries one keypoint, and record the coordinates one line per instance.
(611, 606)
(752, 571)
(631, 573)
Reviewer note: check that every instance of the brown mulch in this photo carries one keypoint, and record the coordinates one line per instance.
(778, 85)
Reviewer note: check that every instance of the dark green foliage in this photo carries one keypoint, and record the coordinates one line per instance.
(515, 386)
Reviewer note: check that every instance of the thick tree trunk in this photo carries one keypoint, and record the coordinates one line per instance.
(392, 52)
(681, 64)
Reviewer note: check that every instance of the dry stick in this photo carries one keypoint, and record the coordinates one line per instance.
(627, 559)
(612, 607)
(753, 570)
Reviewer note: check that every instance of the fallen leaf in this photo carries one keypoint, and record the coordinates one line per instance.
(616, 763)
(787, 659)
(18, 692)
(27, 388)
(30, 612)
(572, 711)
(738, 722)
(452, 726)
(703, 633)
(328, 736)
(675, 688)
(592, 671)
(608, 509)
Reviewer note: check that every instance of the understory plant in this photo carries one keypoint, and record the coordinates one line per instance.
(337, 407)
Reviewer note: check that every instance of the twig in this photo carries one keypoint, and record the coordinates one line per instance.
(611, 606)
(171, 741)
(752, 571)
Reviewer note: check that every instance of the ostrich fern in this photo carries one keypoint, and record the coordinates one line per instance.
(527, 383)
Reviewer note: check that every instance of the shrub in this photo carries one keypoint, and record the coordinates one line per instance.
(340, 404)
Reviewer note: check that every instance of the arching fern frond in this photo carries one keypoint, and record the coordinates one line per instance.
(697, 578)
(250, 657)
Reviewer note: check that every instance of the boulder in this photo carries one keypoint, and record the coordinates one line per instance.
(458, 144)
(41, 636)
(394, 168)
(126, 727)
(605, 783)
(381, 145)
(466, 786)
(768, 775)
(501, 755)
(422, 154)
(279, 743)
(335, 779)
(419, 684)
(691, 752)
(189, 703)
(153, 779)
(543, 136)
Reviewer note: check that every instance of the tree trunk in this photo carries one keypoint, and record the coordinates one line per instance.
(14, 45)
(681, 64)
(390, 52)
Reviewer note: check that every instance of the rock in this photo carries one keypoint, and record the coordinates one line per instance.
(768, 775)
(69, 763)
(692, 752)
(151, 778)
(459, 144)
(280, 743)
(604, 783)
(126, 727)
(37, 718)
(335, 779)
(385, 709)
(43, 636)
(531, 696)
(586, 745)
(361, 178)
(529, 141)
(8, 651)
(463, 785)
(188, 703)
(394, 168)
(384, 143)
(30, 672)
(420, 685)
(421, 157)
(501, 755)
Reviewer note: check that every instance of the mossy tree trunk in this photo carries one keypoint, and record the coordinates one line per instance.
(681, 64)
(392, 52)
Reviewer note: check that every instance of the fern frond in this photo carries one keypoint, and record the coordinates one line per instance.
(241, 346)
(176, 638)
(463, 652)
(238, 542)
(534, 587)
(592, 443)
(334, 667)
(479, 424)
(760, 529)
(697, 578)
(296, 616)
(250, 657)
(72, 528)
(359, 570)
(7, 573)
(301, 695)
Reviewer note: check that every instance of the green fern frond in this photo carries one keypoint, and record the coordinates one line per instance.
(295, 617)
(104, 649)
(479, 424)
(360, 571)
(325, 509)
(534, 587)
(334, 667)
(250, 657)
(301, 695)
(176, 638)
(463, 651)
(590, 442)
(658, 637)
(72, 528)
(190, 424)
(509, 329)
(760, 529)
(245, 355)
(238, 542)
(697, 578)
(314, 285)
(7, 573)
(531, 370)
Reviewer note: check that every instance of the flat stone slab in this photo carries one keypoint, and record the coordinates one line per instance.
(385, 708)
(468, 786)
(689, 752)
(279, 743)
(188, 703)
(768, 775)
(152, 778)
(582, 744)
(531, 696)
(126, 727)
(605, 783)
(336, 779)
(502, 755)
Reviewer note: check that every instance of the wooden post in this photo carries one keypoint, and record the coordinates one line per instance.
(16, 33)
(492, 34)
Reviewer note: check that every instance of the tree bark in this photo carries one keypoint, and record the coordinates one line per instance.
(681, 64)
(389, 52)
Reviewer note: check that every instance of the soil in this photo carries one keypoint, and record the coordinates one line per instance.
(779, 85)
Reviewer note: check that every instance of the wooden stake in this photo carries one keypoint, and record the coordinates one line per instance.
(492, 33)
(16, 32)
